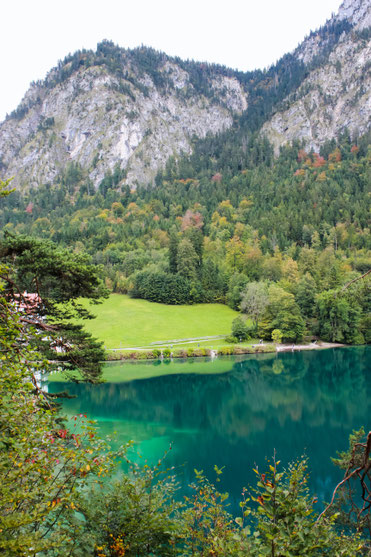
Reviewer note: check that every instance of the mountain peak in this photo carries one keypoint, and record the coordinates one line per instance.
(357, 12)
(116, 108)
(131, 110)
(335, 95)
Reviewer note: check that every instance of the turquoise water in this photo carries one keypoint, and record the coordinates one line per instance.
(292, 403)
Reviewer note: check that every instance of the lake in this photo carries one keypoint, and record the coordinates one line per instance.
(293, 403)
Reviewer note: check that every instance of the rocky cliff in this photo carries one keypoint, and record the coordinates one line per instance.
(101, 115)
(336, 95)
(130, 110)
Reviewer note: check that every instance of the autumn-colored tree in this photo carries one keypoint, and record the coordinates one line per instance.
(235, 253)
(191, 219)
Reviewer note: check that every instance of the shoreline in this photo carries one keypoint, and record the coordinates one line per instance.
(139, 366)
(312, 346)
(135, 354)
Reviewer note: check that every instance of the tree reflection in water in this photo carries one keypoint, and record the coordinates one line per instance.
(296, 403)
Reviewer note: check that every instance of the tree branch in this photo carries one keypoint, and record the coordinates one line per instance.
(354, 280)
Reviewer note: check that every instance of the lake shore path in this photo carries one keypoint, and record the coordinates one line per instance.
(174, 342)
(320, 345)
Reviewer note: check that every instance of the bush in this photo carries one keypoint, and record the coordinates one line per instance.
(277, 336)
(197, 352)
(231, 339)
(239, 329)
(225, 350)
(181, 353)
(144, 355)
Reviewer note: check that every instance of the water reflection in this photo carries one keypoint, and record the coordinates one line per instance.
(302, 402)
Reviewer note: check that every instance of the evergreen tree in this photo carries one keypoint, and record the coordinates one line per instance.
(187, 259)
(48, 283)
(305, 295)
(173, 251)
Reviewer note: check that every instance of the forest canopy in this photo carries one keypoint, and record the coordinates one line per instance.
(225, 216)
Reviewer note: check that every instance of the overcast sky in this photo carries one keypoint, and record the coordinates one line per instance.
(243, 34)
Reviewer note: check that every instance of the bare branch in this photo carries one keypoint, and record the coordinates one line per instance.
(365, 467)
(354, 280)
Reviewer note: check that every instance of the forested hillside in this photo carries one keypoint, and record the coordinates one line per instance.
(224, 217)
(191, 182)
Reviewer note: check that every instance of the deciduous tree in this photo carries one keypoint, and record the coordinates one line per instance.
(254, 300)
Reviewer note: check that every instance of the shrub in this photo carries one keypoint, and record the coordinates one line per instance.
(181, 353)
(277, 336)
(225, 350)
(143, 355)
(199, 352)
(231, 339)
(240, 329)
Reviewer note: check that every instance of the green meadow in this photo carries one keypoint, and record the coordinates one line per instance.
(124, 322)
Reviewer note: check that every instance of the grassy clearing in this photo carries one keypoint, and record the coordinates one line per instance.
(123, 322)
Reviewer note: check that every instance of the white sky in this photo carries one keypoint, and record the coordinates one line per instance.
(243, 34)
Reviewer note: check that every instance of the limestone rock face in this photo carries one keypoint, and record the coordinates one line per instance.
(99, 120)
(357, 12)
(133, 109)
(334, 96)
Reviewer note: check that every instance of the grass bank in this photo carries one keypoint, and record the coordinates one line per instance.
(124, 322)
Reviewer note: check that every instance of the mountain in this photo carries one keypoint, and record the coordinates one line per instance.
(116, 107)
(336, 94)
(128, 111)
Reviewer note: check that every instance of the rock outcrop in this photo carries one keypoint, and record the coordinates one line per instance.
(130, 110)
(336, 95)
(98, 119)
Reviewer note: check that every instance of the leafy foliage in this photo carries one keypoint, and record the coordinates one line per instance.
(137, 514)
(240, 330)
(254, 301)
(353, 495)
(54, 500)
(57, 280)
(282, 313)
(285, 519)
(162, 287)
(43, 462)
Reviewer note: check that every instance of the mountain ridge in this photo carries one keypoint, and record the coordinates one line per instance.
(130, 110)
(336, 95)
